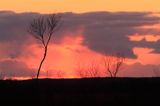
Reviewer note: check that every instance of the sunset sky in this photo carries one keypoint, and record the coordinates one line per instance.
(48, 6)
(90, 29)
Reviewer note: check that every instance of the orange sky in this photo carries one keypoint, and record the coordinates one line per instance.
(47, 6)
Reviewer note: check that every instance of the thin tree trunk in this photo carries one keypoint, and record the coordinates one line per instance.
(41, 63)
(110, 74)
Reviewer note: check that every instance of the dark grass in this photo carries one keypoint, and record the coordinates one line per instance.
(81, 92)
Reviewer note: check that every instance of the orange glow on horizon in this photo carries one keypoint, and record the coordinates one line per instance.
(62, 59)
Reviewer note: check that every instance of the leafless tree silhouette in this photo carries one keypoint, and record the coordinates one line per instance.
(91, 70)
(112, 64)
(81, 70)
(94, 70)
(42, 29)
(60, 74)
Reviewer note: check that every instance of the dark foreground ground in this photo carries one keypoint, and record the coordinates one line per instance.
(81, 92)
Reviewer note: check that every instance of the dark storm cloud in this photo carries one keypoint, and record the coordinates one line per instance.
(104, 32)
(108, 32)
(154, 45)
(13, 31)
(14, 26)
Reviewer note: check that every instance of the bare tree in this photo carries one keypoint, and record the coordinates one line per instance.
(42, 29)
(81, 70)
(92, 70)
(60, 74)
(112, 64)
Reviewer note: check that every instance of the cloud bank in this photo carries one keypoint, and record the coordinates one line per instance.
(103, 32)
